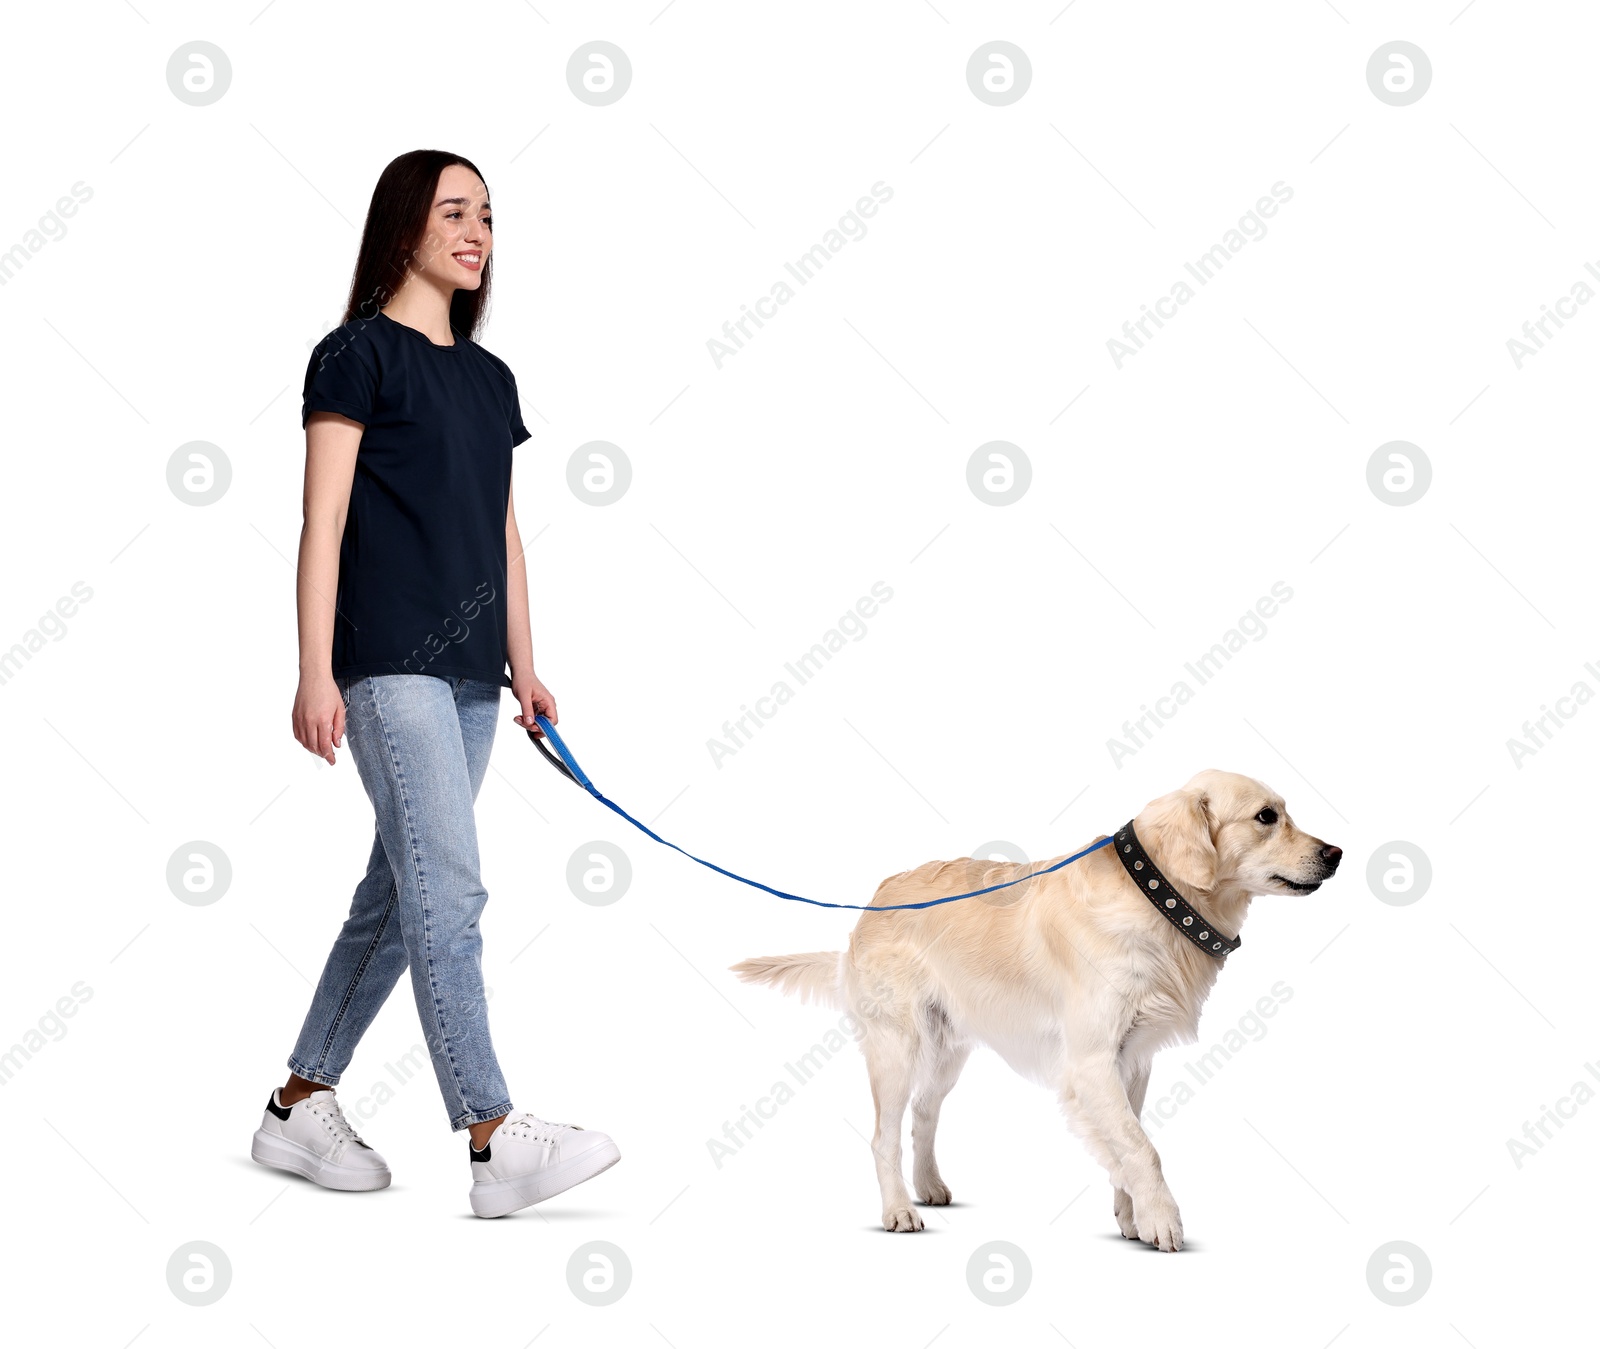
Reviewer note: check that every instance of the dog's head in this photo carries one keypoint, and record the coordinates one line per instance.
(1224, 829)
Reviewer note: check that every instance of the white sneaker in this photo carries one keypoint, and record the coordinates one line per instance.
(313, 1139)
(528, 1159)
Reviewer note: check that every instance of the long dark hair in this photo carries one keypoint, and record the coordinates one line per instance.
(397, 229)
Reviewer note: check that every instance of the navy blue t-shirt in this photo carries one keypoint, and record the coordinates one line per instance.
(422, 564)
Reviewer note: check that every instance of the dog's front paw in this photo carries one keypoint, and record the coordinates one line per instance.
(1159, 1224)
(902, 1219)
(1123, 1209)
(933, 1192)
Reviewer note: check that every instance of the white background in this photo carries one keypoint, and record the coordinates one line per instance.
(767, 497)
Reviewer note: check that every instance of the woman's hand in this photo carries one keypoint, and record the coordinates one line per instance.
(534, 697)
(319, 714)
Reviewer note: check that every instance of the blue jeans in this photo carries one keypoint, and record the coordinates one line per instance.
(421, 744)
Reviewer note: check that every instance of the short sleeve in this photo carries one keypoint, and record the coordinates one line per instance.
(519, 432)
(338, 379)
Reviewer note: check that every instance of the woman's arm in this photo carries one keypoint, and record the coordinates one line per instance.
(331, 445)
(525, 685)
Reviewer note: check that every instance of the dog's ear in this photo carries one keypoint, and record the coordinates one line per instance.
(1176, 829)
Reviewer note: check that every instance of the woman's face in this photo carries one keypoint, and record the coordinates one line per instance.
(459, 237)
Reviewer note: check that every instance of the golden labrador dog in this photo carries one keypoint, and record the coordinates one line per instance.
(1075, 978)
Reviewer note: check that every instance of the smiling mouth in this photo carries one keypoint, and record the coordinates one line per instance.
(1296, 885)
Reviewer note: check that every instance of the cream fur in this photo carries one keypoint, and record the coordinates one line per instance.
(1073, 978)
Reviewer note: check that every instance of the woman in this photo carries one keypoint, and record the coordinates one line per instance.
(412, 599)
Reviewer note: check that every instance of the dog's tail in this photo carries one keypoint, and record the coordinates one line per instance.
(817, 976)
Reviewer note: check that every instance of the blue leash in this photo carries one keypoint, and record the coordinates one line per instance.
(568, 765)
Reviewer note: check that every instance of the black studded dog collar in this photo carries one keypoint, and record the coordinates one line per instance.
(1169, 903)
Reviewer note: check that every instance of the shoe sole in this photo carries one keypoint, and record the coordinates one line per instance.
(284, 1155)
(496, 1198)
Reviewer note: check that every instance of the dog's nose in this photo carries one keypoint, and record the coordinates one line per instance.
(1330, 856)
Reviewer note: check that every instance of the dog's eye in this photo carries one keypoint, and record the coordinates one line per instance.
(1268, 816)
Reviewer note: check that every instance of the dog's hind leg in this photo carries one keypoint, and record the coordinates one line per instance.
(892, 1052)
(1121, 1202)
(941, 1064)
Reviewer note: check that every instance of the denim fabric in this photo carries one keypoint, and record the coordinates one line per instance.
(421, 744)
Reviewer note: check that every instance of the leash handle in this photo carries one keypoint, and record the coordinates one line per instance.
(567, 764)
(551, 759)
